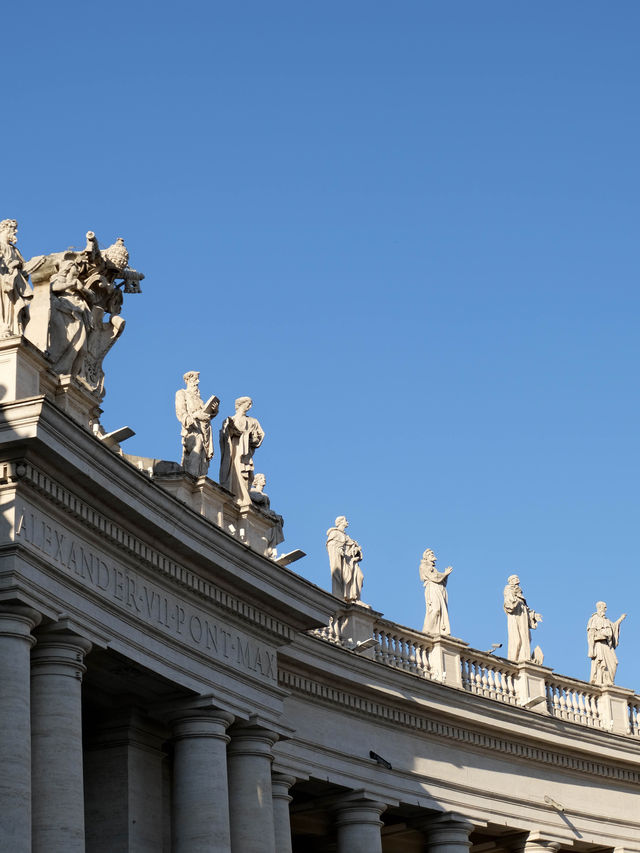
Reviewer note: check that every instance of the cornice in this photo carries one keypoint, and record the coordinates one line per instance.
(384, 712)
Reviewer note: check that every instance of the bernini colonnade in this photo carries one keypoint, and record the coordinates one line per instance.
(169, 684)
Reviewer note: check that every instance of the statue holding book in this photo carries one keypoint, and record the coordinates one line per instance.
(195, 417)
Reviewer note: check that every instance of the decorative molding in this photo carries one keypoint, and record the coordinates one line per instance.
(334, 696)
(24, 472)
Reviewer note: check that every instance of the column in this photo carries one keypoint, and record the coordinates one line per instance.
(200, 821)
(250, 798)
(358, 824)
(536, 842)
(448, 833)
(56, 741)
(280, 785)
(16, 624)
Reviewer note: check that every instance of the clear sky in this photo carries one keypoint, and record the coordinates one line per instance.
(410, 232)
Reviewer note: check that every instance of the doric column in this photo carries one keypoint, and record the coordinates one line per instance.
(250, 800)
(448, 833)
(200, 821)
(536, 842)
(56, 741)
(358, 824)
(280, 785)
(16, 623)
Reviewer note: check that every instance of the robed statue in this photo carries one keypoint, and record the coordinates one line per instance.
(15, 291)
(240, 436)
(603, 636)
(344, 560)
(520, 620)
(195, 417)
(436, 619)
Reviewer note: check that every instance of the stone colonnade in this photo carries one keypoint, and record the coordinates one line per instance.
(225, 797)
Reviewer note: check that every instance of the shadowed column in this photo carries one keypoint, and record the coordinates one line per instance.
(358, 824)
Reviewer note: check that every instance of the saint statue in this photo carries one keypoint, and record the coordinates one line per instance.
(520, 620)
(260, 499)
(15, 291)
(195, 417)
(603, 636)
(239, 437)
(436, 619)
(344, 559)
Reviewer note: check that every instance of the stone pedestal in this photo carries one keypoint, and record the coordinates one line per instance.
(250, 798)
(444, 660)
(123, 786)
(448, 833)
(531, 688)
(24, 371)
(613, 708)
(280, 784)
(356, 623)
(16, 624)
(358, 824)
(56, 741)
(200, 796)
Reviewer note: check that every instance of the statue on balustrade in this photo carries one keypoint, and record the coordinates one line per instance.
(603, 636)
(344, 559)
(240, 436)
(260, 499)
(79, 320)
(520, 620)
(15, 291)
(436, 619)
(195, 417)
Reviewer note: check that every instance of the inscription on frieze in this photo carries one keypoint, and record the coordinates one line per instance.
(139, 597)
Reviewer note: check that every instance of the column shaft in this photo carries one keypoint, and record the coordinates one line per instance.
(250, 798)
(16, 623)
(56, 742)
(280, 785)
(200, 795)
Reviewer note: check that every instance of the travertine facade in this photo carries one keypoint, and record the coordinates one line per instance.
(167, 686)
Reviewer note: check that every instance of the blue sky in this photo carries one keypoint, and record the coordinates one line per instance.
(410, 232)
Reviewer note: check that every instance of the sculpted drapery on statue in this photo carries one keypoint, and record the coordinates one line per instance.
(344, 560)
(195, 417)
(78, 320)
(436, 619)
(261, 500)
(15, 292)
(603, 636)
(240, 436)
(520, 620)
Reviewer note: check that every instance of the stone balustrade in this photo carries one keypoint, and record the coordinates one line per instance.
(449, 660)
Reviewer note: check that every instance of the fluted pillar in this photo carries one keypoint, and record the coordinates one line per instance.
(358, 824)
(200, 821)
(448, 833)
(250, 799)
(280, 784)
(16, 624)
(57, 666)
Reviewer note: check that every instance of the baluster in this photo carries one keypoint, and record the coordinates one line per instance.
(556, 700)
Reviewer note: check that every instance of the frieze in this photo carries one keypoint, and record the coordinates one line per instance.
(362, 706)
(138, 597)
(27, 473)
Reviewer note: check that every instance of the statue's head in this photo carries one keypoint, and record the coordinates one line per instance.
(9, 229)
(341, 522)
(243, 404)
(259, 482)
(429, 557)
(513, 580)
(192, 377)
(601, 608)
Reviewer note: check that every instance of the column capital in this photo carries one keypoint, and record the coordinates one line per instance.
(448, 828)
(537, 842)
(250, 738)
(18, 620)
(357, 808)
(202, 722)
(61, 649)
(280, 785)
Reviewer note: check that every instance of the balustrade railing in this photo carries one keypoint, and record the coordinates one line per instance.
(634, 716)
(402, 648)
(572, 700)
(489, 676)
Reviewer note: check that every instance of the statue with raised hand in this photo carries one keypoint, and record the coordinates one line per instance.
(195, 417)
(603, 636)
(436, 619)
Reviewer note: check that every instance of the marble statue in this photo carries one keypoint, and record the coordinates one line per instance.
(520, 620)
(344, 559)
(15, 291)
(83, 307)
(240, 436)
(436, 619)
(195, 417)
(260, 499)
(603, 636)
